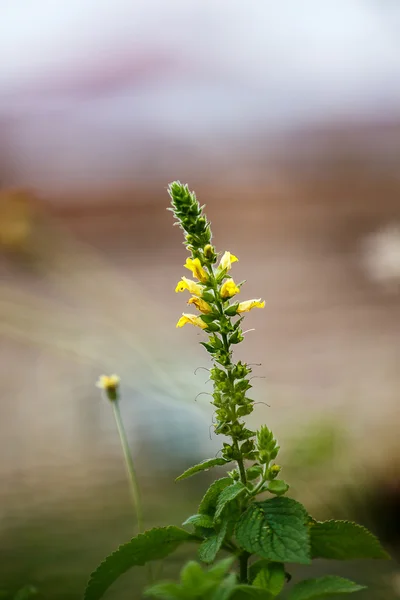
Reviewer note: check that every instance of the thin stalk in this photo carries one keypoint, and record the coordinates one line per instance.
(243, 567)
(132, 479)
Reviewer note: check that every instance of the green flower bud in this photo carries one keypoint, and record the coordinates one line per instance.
(278, 487)
(244, 410)
(222, 428)
(236, 429)
(209, 253)
(247, 447)
(264, 457)
(236, 337)
(234, 475)
(253, 472)
(228, 452)
(273, 471)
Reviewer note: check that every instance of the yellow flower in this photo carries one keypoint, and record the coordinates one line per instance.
(249, 304)
(188, 284)
(192, 319)
(229, 289)
(110, 384)
(202, 305)
(108, 381)
(194, 265)
(226, 261)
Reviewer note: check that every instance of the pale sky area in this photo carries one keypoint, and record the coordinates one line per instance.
(84, 85)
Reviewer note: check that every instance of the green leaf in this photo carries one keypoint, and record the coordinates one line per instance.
(268, 575)
(231, 311)
(208, 297)
(200, 521)
(278, 487)
(227, 495)
(195, 581)
(28, 591)
(210, 547)
(323, 586)
(203, 466)
(166, 591)
(213, 584)
(209, 501)
(154, 544)
(209, 318)
(344, 540)
(276, 529)
(245, 592)
(221, 568)
(208, 347)
(224, 591)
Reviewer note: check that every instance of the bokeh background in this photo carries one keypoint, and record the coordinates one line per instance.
(285, 119)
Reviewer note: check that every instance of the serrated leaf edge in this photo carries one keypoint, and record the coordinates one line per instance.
(90, 582)
(208, 463)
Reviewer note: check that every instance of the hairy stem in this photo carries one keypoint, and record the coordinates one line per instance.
(229, 366)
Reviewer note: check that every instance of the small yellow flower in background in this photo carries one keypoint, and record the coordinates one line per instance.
(202, 305)
(188, 284)
(229, 289)
(192, 319)
(194, 265)
(226, 261)
(249, 304)
(110, 384)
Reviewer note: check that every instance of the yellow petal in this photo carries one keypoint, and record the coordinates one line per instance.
(227, 260)
(202, 305)
(189, 284)
(107, 382)
(192, 319)
(249, 304)
(229, 289)
(194, 265)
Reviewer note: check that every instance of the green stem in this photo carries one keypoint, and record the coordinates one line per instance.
(243, 566)
(225, 342)
(240, 462)
(133, 482)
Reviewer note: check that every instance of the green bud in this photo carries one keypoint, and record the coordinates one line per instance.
(234, 475)
(223, 429)
(209, 253)
(211, 327)
(253, 472)
(242, 386)
(208, 297)
(264, 457)
(274, 452)
(231, 311)
(247, 447)
(278, 487)
(228, 452)
(236, 337)
(218, 374)
(273, 471)
(236, 429)
(244, 410)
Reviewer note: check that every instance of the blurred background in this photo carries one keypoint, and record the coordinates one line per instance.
(285, 119)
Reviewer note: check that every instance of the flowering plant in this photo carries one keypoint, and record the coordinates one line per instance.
(246, 513)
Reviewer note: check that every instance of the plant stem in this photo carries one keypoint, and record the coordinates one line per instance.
(240, 463)
(226, 344)
(243, 560)
(133, 482)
